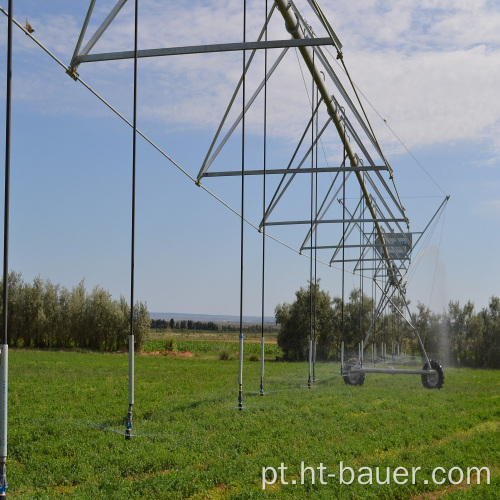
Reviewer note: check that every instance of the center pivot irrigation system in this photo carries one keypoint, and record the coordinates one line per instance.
(371, 235)
(356, 219)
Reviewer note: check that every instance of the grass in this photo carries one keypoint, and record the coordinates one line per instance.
(67, 415)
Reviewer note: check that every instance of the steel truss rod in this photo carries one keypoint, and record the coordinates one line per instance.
(445, 201)
(377, 191)
(322, 209)
(398, 205)
(362, 258)
(204, 166)
(381, 245)
(358, 141)
(82, 32)
(377, 209)
(293, 27)
(203, 49)
(343, 239)
(95, 37)
(370, 133)
(329, 221)
(324, 21)
(357, 260)
(347, 233)
(368, 130)
(402, 264)
(360, 144)
(329, 69)
(351, 130)
(390, 229)
(410, 323)
(308, 170)
(278, 194)
(348, 229)
(332, 247)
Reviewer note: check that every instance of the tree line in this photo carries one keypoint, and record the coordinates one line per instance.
(209, 326)
(42, 314)
(460, 336)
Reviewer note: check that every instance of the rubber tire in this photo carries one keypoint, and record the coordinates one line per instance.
(353, 378)
(433, 381)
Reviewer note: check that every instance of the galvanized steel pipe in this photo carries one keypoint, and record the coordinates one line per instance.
(293, 27)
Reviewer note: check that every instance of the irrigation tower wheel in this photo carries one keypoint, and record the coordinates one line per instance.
(357, 378)
(434, 380)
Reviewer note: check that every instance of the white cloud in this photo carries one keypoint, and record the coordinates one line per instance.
(430, 68)
(433, 97)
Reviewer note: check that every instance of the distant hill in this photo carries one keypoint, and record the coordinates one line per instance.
(219, 319)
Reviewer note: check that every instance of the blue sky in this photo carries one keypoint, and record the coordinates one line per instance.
(430, 70)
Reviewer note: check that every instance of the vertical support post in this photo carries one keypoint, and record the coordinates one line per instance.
(5, 348)
(314, 360)
(316, 287)
(374, 354)
(240, 360)
(362, 349)
(309, 380)
(4, 379)
(262, 350)
(342, 358)
(262, 347)
(131, 338)
(240, 374)
(310, 364)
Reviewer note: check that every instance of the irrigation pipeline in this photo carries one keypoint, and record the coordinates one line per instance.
(155, 146)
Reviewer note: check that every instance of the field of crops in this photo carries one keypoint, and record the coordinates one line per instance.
(68, 410)
(204, 347)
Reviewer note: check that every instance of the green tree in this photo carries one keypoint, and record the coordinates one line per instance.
(458, 320)
(477, 347)
(430, 330)
(357, 318)
(76, 307)
(142, 322)
(295, 322)
(491, 343)
(42, 314)
(15, 308)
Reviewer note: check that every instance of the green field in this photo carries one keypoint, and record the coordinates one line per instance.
(212, 348)
(67, 415)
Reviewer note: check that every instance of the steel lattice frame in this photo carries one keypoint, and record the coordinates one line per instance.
(376, 225)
